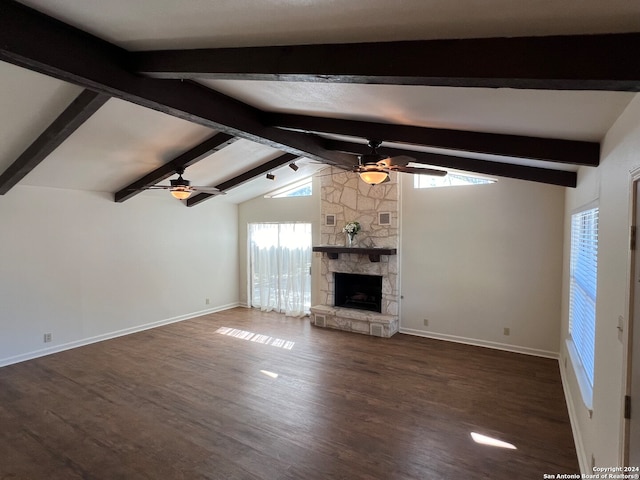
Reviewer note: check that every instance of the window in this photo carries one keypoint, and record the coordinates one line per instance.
(279, 263)
(582, 297)
(302, 188)
(449, 180)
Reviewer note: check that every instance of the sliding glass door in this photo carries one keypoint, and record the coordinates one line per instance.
(280, 263)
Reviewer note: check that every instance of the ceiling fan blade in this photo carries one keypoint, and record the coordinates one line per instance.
(204, 189)
(210, 191)
(154, 187)
(401, 160)
(421, 171)
(345, 167)
(191, 188)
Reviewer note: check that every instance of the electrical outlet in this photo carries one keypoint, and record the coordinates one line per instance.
(506, 331)
(426, 322)
(47, 337)
(206, 301)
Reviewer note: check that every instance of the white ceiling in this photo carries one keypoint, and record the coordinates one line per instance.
(154, 24)
(575, 115)
(119, 143)
(122, 141)
(29, 102)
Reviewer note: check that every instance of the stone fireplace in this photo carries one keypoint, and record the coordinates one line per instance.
(346, 198)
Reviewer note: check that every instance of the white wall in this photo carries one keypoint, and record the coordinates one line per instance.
(82, 267)
(476, 259)
(282, 210)
(609, 184)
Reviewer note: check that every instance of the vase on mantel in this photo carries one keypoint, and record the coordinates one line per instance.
(351, 239)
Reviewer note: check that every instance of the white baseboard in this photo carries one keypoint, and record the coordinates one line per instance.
(583, 458)
(481, 343)
(107, 336)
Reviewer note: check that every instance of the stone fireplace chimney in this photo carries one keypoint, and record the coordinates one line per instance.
(346, 198)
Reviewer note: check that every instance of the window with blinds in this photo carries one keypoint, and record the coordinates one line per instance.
(582, 294)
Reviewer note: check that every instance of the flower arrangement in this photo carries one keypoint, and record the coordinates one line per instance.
(351, 228)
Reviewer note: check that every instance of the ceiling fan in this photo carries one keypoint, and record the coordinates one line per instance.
(182, 189)
(374, 168)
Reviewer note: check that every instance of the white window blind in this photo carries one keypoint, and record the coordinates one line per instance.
(583, 277)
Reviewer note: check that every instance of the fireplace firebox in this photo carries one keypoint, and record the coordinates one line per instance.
(362, 292)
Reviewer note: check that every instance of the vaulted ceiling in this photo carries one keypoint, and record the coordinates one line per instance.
(115, 99)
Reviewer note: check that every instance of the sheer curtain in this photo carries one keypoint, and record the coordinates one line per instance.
(280, 259)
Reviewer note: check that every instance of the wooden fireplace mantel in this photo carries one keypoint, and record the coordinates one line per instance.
(334, 251)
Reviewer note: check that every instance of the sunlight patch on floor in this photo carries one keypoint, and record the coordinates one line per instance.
(492, 442)
(256, 337)
(269, 374)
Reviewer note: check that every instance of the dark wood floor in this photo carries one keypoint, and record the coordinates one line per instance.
(188, 402)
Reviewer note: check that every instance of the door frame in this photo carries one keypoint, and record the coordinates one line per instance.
(627, 336)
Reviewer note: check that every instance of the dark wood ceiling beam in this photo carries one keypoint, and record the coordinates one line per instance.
(243, 178)
(35, 41)
(548, 149)
(208, 147)
(499, 169)
(570, 62)
(78, 112)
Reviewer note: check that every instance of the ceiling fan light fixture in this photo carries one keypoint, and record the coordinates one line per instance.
(180, 188)
(373, 177)
(181, 193)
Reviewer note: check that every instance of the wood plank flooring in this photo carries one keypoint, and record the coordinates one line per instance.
(186, 401)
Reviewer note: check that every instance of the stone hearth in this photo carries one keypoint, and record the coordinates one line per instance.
(357, 321)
